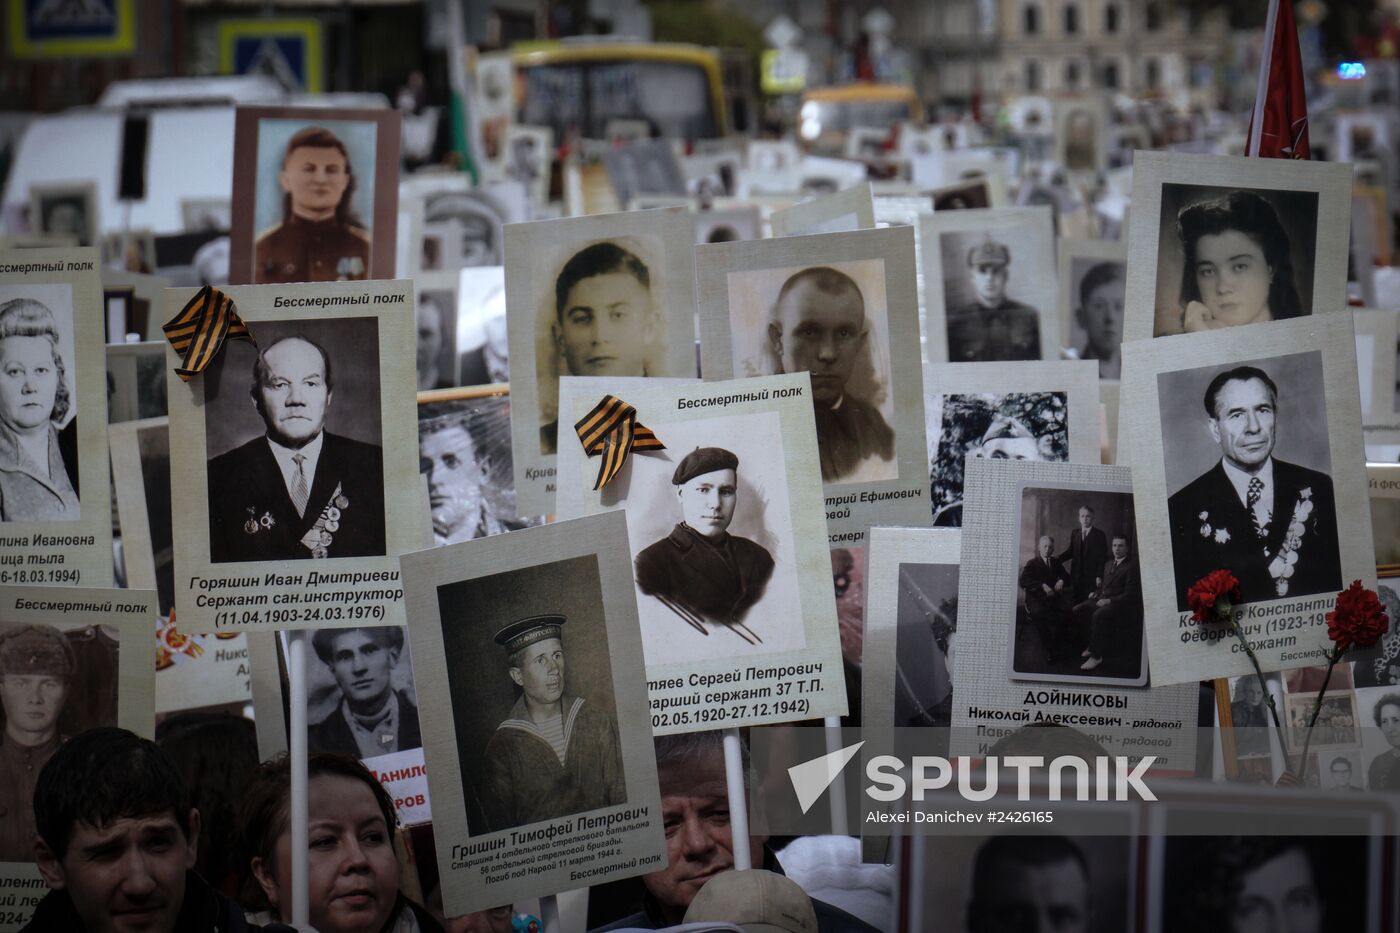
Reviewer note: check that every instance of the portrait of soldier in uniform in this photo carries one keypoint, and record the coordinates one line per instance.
(1271, 522)
(297, 490)
(372, 718)
(37, 664)
(992, 327)
(819, 325)
(603, 319)
(320, 238)
(701, 572)
(554, 754)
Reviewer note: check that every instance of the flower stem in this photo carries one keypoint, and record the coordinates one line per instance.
(1332, 660)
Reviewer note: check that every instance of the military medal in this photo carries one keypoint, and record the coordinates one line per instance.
(251, 525)
(332, 525)
(326, 538)
(332, 515)
(318, 552)
(341, 502)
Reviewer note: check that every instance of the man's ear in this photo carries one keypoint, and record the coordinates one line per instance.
(262, 872)
(515, 676)
(775, 338)
(1214, 427)
(50, 868)
(192, 840)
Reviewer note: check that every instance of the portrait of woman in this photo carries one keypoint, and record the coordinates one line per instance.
(320, 237)
(1384, 770)
(38, 460)
(1238, 265)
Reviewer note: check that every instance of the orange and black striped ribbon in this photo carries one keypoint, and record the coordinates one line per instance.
(198, 332)
(611, 429)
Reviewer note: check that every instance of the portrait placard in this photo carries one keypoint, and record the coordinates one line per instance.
(1054, 625)
(1246, 455)
(1218, 241)
(732, 223)
(516, 638)
(988, 278)
(435, 311)
(842, 212)
(315, 195)
(841, 306)
(911, 619)
(65, 211)
(1384, 482)
(330, 382)
(616, 298)
(970, 194)
(1081, 135)
(529, 155)
(55, 489)
(1037, 411)
(729, 544)
(1093, 282)
(90, 649)
(1377, 342)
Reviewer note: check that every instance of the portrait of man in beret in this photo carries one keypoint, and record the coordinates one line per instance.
(37, 664)
(554, 754)
(700, 571)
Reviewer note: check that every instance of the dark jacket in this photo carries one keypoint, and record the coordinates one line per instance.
(1011, 331)
(1122, 585)
(1036, 574)
(204, 911)
(333, 734)
(1208, 510)
(1089, 555)
(719, 581)
(848, 435)
(251, 516)
(311, 251)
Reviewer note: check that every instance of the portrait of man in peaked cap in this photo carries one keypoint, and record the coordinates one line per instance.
(992, 326)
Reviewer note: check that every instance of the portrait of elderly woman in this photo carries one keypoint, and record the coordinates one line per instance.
(1239, 262)
(38, 448)
(320, 237)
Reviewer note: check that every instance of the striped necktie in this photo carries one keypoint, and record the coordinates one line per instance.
(1256, 491)
(299, 491)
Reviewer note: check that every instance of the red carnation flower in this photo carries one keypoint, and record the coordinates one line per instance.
(1359, 618)
(1213, 596)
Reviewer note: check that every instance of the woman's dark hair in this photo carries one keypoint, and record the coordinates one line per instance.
(1390, 699)
(1256, 218)
(1216, 867)
(267, 799)
(318, 137)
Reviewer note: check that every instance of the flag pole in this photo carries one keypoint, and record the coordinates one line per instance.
(1261, 91)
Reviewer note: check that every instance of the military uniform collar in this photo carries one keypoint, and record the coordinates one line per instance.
(685, 538)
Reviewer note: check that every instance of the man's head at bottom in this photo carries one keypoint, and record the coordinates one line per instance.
(116, 831)
(1024, 883)
(695, 813)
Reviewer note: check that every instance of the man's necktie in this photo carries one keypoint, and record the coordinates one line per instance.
(1256, 490)
(299, 491)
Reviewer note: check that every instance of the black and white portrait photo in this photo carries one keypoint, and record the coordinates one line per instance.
(1380, 708)
(1079, 612)
(293, 433)
(1248, 475)
(38, 405)
(360, 695)
(55, 681)
(469, 227)
(1379, 665)
(962, 197)
(529, 155)
(1337, 724)
(993, 272)
(532, 694)
(68, 211)
(831, 321)
(1097, 290)
(464, 451)
(642, 168)
(711, 534)
(1250, 720)
(436, 318)
(991, 425)
(927, 620)
(724, 226)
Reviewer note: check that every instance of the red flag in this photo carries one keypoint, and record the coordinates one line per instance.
(1278, 128)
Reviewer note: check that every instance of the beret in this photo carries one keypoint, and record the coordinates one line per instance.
(1003, 427)
(323, 639)
(525, 632)
(36, 649)
(989, 251)
(703, 460)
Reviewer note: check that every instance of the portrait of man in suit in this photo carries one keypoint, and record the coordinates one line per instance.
(1087, 551)
(1046, 585)
(818, 325)
(1270, 522)
(296, 491)
(372, 718)
(700, 571)
(1111, 615)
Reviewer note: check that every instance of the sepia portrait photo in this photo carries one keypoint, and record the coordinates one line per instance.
(526, 648)
(314, 195)
(1222, 242)
(1093, 288)
(65, 211)
(295, 443)
(988, 275)
(610, 295)
(1048, 412)
(1079, 613)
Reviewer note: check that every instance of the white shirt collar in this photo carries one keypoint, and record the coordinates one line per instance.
(1240, 480)
(283, 455)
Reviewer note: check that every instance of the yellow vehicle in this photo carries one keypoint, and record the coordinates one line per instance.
(828, 114)
(578, 88)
